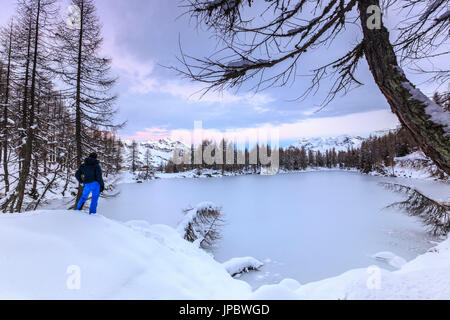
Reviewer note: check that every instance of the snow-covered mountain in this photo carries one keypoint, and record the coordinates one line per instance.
(339, 143)
(161, 151)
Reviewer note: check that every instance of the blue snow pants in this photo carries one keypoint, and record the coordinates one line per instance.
(93, 187)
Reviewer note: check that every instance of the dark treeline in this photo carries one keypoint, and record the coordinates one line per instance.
(54, 101)
(375, 154)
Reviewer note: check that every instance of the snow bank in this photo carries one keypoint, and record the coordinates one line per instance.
(426, 277)
(418, 155)
(46, 254)
(415, 165)
(239, 265)
(126, 177)
(114, 260)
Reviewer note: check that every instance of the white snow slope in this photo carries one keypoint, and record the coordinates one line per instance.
(115, 261)
(339, 143)
(414, 165)
(71, 255)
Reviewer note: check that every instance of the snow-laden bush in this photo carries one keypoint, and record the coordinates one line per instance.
(201, 225)
(146, 174)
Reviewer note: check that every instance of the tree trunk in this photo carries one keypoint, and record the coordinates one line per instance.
(5, 115)
(25, 94)
(429, 135)
(30, 130)
(78, 137)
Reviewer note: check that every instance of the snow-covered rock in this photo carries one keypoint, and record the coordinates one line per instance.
(239, 265)
(390, 258)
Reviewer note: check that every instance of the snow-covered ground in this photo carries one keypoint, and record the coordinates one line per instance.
(415, 165)
(71, 255)
(425, 277)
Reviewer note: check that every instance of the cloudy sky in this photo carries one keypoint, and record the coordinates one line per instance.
(143, 35)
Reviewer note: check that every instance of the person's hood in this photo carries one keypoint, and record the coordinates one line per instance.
(90, 161)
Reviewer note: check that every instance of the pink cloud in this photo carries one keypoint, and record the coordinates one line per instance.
(149, 134)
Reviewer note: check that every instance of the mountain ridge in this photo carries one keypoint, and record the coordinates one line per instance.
(339, 143)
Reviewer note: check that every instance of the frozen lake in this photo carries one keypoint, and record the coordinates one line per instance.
(306, 226)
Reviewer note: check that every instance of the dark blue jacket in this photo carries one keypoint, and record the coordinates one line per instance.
(90, 171)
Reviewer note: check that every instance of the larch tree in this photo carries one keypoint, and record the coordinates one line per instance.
(37, 16)
(134, 156)
(37, 118)
(147, 162)
(6, 38)
(268, 41)
(86, 74)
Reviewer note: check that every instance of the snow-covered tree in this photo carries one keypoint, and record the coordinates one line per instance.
(202, 224)
(147, 162)
(37, 126)
(134, 156)
(6, 38)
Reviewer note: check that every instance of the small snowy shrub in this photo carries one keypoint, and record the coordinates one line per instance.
(202, 224)
(145, 175)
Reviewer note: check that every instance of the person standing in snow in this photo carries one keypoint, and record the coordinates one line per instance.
(90, 174)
